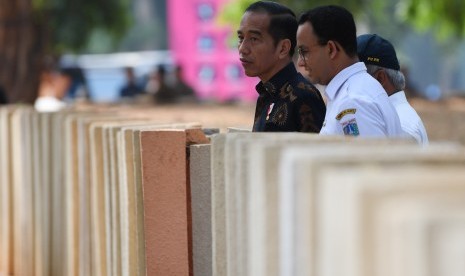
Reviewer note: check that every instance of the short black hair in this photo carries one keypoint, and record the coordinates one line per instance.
(333, 23)
(283, 22)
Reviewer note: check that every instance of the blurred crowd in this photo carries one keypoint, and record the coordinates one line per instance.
(59, 86)
(158, 86)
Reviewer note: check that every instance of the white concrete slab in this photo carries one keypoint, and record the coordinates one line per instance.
(200, 186)
(304, 213)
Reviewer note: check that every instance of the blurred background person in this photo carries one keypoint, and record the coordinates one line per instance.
(78, 88)
(184, 92)
(153, 82)
(165, 94)
(52, 88)
(131, 88)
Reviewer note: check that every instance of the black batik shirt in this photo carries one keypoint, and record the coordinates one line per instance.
(288, 102)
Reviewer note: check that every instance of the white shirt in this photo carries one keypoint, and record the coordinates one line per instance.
(48, 104)
(359, 106)
(409, 120)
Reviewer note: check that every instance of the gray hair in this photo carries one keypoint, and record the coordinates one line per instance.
(396, 77)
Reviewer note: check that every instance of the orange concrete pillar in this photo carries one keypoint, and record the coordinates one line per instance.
(167, 214)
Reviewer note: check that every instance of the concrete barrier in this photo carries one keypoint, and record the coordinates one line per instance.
(106, 192)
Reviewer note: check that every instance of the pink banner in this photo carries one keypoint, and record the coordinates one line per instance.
(201, 47)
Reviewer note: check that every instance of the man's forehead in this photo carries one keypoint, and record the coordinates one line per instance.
(258, 19)
(305, 32)
(257, 13)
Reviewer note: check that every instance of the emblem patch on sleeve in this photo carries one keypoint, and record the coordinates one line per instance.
(345, 112)
(351, 128)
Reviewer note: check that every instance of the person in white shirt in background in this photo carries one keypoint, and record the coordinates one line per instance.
(357, 104)
(381, 61)
(52, 88)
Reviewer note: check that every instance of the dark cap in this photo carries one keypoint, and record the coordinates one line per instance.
(373, 49)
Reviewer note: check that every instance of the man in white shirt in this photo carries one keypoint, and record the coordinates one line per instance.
(381, 61)
(357, 104)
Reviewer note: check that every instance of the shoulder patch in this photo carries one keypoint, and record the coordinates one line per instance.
(345, 112)
(351, 128)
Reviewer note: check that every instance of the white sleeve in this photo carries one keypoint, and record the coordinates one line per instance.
(359, 117)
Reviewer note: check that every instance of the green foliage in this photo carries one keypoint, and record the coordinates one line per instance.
(301, 6)
(231, 12)
(99, 42)
(445, 17)
(69, 24)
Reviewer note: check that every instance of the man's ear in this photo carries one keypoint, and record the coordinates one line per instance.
(381, 77)
(284, 47)
(333, 48)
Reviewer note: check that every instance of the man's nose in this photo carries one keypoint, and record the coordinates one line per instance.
(300, 62)
(243, 47)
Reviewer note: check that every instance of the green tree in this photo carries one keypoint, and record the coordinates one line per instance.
(233, 10)
(446, 18)
(30, 30)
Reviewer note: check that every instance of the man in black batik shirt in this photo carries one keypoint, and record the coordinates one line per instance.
(287, 101)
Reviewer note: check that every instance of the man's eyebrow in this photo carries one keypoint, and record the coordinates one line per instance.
(256, 32)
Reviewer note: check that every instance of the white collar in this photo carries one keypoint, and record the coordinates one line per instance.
(335, 84)
(398, 97)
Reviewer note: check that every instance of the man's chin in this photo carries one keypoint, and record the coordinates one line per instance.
(309, 78)
(312, 79)
(250, 74)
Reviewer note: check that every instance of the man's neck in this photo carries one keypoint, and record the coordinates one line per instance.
(343, 63)
(279, 66)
